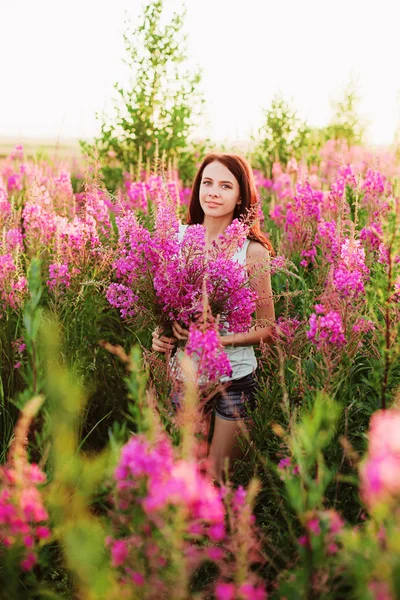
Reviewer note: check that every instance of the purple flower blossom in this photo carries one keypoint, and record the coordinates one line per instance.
(137, 194)
(206, 349)
(326, 330)
(351, 272)
(327, 238)
(345, 178)
(17, 153)
(372, 235)
(59, 276)
(284, 462)
(168, 277)
(380, 473)
(123, 298)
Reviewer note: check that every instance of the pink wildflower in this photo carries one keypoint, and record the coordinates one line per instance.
(284, 462)
(28, 562)
(326, 330)
(314, 526)
(137, 578)
(119, 552)
(380, 473)
(123, 298)
(205, 347)
(247, 591)
(225, 591)
(59, 276)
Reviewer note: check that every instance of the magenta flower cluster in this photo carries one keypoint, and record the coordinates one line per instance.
(205, 348)
(23, 517)
(59, 276)
(168, 276)
(326, 328)
(351, 272)
(322, 529)
(380, 472)
(139, 195)
(286, 328)
(13, 285)
(246, 591)
(166, 511)
(151, 486)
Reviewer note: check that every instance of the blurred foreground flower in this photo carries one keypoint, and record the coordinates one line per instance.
(23, 517)
(380, 473)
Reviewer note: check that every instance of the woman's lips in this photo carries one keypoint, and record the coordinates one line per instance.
(212, 204)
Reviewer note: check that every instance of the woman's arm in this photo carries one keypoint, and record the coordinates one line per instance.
(257, 263)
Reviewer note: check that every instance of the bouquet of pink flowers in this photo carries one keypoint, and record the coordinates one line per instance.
(162, 275)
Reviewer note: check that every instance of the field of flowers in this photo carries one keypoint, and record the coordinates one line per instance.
(103, 492)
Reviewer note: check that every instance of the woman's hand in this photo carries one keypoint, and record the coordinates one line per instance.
(162, 343)
(179, 332)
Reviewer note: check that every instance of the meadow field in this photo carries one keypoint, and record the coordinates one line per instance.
(104, 491)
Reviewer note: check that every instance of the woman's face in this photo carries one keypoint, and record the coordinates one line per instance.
(219, 191)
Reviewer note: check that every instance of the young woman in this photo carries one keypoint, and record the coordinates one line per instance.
(223, 190)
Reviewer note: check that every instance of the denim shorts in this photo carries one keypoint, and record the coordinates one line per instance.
(235, 402)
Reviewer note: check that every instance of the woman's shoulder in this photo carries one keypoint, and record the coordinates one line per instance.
(257, 250)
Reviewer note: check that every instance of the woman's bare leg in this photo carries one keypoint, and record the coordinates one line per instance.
(224, 445)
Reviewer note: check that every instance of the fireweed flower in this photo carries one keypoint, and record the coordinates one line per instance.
(246, 591)
(63, 185)
(372, 235)
(277, 215)
(151, 484)
(302, 214)
(327, 238)
(137, 194)
(123, 298)
(344, 178)
(23, 516)
(173, 191)
(376, 188)
(205, 348)
(282, 187)
(96, 206)
(383, 254)
(286, 328)
(13, 287)
(326, 330)
(14, 183)
(351, 272)
(14, 239)
(363, 325)
(59, 276)
(17, 153)
(380, 472)
(397, 289)
(168, 275)
(5, 206)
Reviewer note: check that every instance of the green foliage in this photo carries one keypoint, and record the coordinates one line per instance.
(283, 135)
(155, 115)
(346, 123)
(32, 317)
(74, 479)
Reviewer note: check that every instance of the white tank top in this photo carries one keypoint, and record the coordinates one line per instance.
(242, 358)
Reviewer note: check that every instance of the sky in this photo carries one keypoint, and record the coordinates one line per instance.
(60, 60)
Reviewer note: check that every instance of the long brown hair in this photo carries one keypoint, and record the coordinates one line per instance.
(240, 168)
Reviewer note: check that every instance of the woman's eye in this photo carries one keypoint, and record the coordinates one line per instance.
(206, 182)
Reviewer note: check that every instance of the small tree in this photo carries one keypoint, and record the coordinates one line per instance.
(282, 135)
(346, 123)
(158, 110)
